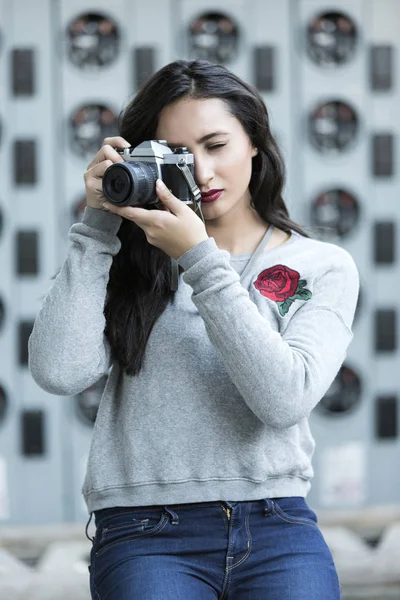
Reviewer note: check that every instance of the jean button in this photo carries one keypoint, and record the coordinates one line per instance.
(268, 507)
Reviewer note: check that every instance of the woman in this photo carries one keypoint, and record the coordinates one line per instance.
(201, 454)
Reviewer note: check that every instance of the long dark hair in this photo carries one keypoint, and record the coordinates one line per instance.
(139, 284)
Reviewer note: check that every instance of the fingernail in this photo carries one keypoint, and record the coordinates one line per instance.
(160, 184)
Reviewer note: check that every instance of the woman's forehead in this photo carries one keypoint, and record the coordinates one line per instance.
(195, 118)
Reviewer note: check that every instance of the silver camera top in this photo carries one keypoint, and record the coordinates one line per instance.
(150, 149)
(157, 151)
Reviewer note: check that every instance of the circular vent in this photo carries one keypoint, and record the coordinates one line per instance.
(335, 213)
(89, 125)
(333, 127)
(344, 393)
(93, 41)
(214, 36)
(331, 39)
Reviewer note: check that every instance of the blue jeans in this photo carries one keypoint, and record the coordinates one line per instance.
(269, 549)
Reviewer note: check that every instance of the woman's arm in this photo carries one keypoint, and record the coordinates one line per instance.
(67, 348)
(280, 377)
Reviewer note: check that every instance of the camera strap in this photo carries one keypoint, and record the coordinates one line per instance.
(196, 196)
(186, 172)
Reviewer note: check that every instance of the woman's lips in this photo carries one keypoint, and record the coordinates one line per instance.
(211, 196)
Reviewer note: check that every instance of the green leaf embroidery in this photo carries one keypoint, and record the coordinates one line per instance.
(284, 306)
(302, 295)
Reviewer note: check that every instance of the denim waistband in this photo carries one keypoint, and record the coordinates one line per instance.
(100, 514)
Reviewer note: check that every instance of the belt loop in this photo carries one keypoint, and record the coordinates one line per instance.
(87, 526)
(268, 507)
(175, 518)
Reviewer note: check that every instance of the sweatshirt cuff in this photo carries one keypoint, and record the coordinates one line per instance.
(195, 254)
(101, 219)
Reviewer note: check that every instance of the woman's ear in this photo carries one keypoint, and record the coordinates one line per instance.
(254, 152)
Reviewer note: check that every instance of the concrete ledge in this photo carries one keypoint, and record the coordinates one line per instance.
(29, 542)
(62, 573)
(15, 577)
(371, 593)
(366, 522)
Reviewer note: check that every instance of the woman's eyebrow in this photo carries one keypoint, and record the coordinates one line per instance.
(202, 139)
(210, 135)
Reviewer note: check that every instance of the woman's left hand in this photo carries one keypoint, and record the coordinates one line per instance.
(174, 230)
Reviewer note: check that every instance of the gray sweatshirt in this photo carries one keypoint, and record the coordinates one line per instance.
(232, 370)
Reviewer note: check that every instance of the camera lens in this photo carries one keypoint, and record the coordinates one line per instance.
(130, 183)
(118, 184)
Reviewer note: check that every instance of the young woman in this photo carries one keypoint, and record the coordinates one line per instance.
(201, 453)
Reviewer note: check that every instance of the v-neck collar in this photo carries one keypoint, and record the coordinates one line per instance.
(258, 251)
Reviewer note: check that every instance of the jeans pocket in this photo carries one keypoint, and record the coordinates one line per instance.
(126, 526)
(294, 510)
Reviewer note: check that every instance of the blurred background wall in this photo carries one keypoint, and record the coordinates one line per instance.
(329, 73)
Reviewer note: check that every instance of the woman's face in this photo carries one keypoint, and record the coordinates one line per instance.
(222, 151)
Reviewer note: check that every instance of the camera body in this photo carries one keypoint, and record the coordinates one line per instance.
(132, 182)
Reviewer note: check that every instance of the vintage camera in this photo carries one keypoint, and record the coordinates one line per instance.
(133, 182)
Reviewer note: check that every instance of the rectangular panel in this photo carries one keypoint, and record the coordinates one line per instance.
(24, 331)
(384, 242)
(23, 83)
(32, 433)
(24, 162)
(386, 420)
(385, 331)
(264, 73)
(382, 155)
(381, 68)
(144, 58)
(27, 253)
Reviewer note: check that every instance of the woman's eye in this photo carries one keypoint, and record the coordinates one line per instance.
(215, 146)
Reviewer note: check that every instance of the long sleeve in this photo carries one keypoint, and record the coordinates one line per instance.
(68, 351)
(280, 375)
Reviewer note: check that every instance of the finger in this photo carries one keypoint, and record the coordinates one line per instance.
(98, 170)
(167, 198)
(107, 151)
(141, 216)
(117, 141)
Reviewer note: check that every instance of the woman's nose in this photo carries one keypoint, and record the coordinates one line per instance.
(203, 171)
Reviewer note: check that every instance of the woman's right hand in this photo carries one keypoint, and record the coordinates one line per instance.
(93, 176)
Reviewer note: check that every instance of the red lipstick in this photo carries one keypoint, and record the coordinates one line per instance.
(211, 196)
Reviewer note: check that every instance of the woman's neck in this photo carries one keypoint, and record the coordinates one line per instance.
(241, 237)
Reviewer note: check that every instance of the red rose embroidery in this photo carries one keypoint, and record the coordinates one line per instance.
(283, 285)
